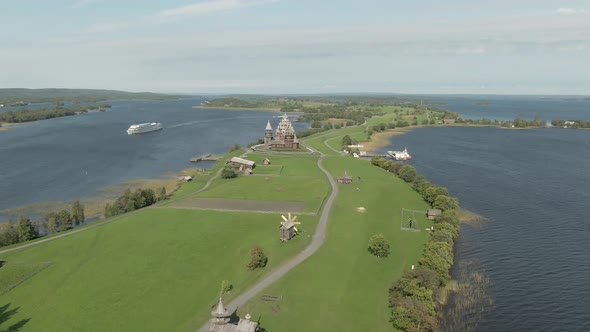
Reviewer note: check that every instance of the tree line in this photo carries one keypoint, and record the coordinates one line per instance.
(52, 222)
(577, 124)
(27, 115)
(12, 96)
(414, 299)
(131, 201)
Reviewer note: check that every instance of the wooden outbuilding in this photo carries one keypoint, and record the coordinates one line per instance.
(345, 179)
(241, 164)
(433, 213)
(448, 121)
(266, 161)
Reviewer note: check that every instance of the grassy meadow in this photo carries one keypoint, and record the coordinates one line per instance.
(158, 270)
(343, 287)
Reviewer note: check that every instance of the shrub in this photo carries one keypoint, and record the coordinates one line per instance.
(445, 203)
(378, 246)
(407, 173)
(228, 173)
(258, 259)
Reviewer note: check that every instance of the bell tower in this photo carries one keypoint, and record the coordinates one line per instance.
(268, 134)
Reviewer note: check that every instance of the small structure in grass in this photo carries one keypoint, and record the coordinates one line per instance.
(431, 214)
(345, 179)
(241, 164)
(266, 161)
(221, 321)
(287, 230)
(247, 171)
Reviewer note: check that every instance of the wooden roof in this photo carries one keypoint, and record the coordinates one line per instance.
(242, 161)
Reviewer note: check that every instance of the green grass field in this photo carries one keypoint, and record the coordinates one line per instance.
(159, 270)
(343, 287)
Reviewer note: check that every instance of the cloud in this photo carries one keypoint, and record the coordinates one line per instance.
(178, 13)
(570, 11)
(83, 3)
(207, 7)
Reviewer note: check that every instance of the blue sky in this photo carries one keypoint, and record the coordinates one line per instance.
(298, 46)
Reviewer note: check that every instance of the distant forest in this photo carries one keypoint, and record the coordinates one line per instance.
(15, 96)
(26, 115)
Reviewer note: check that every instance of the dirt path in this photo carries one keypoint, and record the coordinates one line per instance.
(318, 239)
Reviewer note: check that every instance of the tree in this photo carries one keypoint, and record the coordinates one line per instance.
(346, 140)
(52, 222)
(228, 173)
(378, 246)
(65, 220)
(445, 203)
(26, 230)
(78, 216)
(438, 256)
(412, 316)
(257, 259)
(162, 193)
(8, 234)
(407, 173)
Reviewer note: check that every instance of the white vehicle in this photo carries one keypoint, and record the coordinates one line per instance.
(144, 128)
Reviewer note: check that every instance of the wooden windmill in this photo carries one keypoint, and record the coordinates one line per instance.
(287, 229)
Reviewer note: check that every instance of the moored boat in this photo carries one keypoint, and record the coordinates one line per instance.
(400, 155)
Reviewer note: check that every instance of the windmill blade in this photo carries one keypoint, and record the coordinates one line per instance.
(289, 214)
(285, 219)
(296, 222)
(296, 230)
(294, 218)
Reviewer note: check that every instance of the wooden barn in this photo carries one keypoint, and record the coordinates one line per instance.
(433, 213)
(241, 164)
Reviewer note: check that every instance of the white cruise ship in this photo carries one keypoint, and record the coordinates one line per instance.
(144, 128)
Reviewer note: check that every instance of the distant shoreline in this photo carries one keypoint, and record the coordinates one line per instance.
(382, 139)
(240, 108)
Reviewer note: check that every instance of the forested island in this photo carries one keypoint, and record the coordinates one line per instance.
(28, 115)
(23, 97)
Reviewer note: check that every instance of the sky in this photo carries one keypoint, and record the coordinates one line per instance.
(298, 46)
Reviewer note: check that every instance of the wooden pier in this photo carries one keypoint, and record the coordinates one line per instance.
(205, 157)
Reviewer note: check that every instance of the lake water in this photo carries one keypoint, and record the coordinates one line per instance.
(73, 157)
(510, 107)
(534, 187)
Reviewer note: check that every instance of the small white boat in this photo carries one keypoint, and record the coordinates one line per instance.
(400, 155)
(144, 128)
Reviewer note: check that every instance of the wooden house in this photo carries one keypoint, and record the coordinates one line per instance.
(345, 179)
(448, 121)
(433, 213)
(241, 164)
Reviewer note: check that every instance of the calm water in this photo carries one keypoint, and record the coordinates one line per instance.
(509, 107)
(534, 186)
(73, 157)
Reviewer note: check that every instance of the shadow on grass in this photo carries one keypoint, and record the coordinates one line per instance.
(5, 314)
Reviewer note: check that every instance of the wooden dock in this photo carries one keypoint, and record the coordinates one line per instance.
(205, 157)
